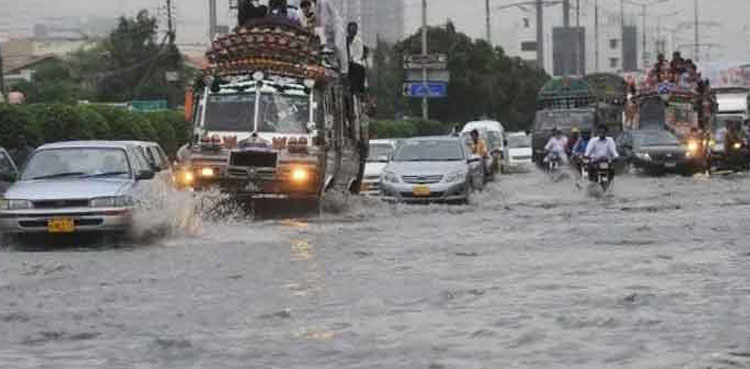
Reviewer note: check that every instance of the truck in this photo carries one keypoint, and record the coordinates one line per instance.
(581, 103)
(273, 118)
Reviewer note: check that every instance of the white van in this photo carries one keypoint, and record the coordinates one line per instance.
(493, 133)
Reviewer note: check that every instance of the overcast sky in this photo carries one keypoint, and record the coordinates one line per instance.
(731, 34)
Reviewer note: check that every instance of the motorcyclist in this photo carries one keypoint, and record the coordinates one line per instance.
(734, 141)
(557, 146)
(579, 148)
(575, 135)
(602, 148)
(479, 147)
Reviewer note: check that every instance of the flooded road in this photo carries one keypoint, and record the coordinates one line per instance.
(533, 274)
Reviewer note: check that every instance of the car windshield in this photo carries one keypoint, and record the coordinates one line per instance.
(77, 162)
(516, 142)
(380, 152)
(430, 151)
(661, 138)
(278, 112)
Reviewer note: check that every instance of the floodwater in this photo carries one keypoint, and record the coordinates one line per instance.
(532, 274)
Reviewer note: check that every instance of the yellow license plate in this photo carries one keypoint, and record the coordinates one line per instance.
(422, 191)
(61, 225)
(364, 187)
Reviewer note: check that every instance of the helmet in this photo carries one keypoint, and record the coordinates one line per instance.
(575, 130)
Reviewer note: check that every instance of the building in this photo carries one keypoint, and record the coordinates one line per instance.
(20, 71)
(18, 51)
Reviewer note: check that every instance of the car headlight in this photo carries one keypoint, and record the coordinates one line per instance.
(643, 156)
(112, 202)
(455, 177)
(390, 177)
(693, 146)
(13, 204)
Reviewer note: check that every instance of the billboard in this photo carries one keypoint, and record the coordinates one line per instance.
(566, 58)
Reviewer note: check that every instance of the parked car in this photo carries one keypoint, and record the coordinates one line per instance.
(493, 133)
(378, 157)
(8, 170)
(432, 169)
(74, 187)
(518, 152)
(157, 159)
(656, 151)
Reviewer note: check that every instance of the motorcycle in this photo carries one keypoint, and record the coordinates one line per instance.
(601, 173)
(553, 163)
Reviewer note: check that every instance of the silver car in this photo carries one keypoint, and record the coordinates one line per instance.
(75, 187)
(8, 170)
(432, 169)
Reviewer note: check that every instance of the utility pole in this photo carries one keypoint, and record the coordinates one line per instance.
(3, 92)
(643, 44)
(596, 35)
(539, 35)
(566, 13)
(170, 24)
(487, 20)
(580, 58)
(425, 103)
(697, 25)
(211, 20)
(622, 34)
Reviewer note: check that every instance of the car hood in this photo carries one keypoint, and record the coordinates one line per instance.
(417, 168)
(67, 188)
(374, 168)
(665, 149)
(519, 151)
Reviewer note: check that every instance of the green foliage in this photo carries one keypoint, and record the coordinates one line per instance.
(18, 120)
(408, 128)
(52, 83)
(44, 123)
(485, 82)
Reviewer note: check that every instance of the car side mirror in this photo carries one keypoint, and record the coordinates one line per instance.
(145, 175)
(155, 168)
(475, 159)
(7, 177)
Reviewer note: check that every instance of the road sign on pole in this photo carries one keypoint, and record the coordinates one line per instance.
(433, 75)
(429, 61)
(426, 90)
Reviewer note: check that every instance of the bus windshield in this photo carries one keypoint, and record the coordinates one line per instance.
(278, 112)
(564, 119)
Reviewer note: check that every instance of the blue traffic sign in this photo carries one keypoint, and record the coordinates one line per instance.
(429, 89)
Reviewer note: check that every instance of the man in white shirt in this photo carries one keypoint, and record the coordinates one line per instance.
(557, 146)
(602, 147)
(356, 53)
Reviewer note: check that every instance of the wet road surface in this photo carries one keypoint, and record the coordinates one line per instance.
(533, 274)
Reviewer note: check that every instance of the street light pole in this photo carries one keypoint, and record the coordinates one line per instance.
(488, 22)
(3, 94)
(539, 35)
(644, 56)
(596, 35)
(697, 56)
(425, 104)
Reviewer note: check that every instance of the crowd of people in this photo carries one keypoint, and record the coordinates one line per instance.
(319, 17)
(679, 73)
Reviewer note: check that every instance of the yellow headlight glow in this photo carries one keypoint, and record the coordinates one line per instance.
(207, 172)
(693, 146)
(300, 175)
(738, 146)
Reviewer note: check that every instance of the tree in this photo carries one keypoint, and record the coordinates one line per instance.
(51, 83)
(131, 63)
(485, 82)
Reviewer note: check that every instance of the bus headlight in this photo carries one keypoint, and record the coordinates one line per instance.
(300, 175)
(207, 172)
